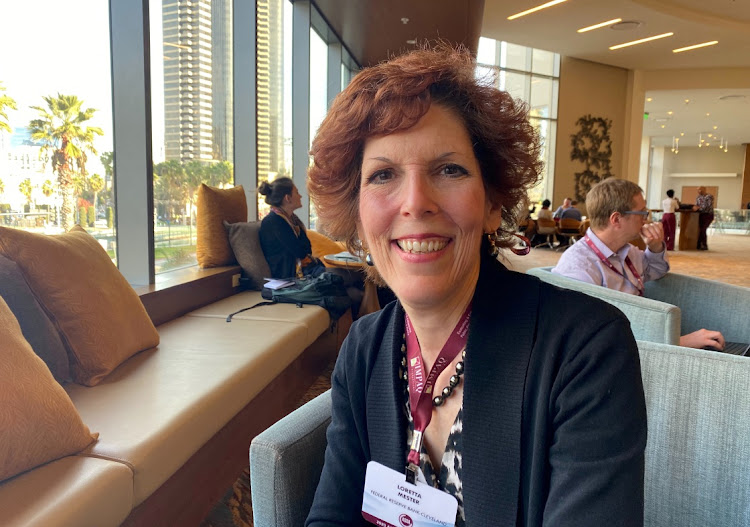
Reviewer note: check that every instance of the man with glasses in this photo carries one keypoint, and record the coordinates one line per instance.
(605, 256)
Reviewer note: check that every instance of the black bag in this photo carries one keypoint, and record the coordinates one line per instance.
(326, 290)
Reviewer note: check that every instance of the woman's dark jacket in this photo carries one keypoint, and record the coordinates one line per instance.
(281, 246)
(554, 423)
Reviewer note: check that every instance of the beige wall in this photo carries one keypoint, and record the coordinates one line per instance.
(618, 94)
(587, 88)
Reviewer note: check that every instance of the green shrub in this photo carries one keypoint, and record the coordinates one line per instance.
(82, 217)
(91, 215)
(110, 218)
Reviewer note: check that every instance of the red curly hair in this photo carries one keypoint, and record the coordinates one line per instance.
(393, 96)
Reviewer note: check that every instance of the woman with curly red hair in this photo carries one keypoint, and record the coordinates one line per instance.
(516, 402)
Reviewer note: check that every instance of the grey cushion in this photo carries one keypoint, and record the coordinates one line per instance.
(35, 325)
(244, 238)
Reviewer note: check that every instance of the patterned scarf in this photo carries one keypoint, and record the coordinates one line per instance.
(294, 222)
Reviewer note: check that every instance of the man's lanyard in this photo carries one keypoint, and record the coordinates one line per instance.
(421, 388)
(639, 286)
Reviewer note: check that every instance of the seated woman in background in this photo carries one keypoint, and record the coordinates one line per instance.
(505, 399)
(282, 233)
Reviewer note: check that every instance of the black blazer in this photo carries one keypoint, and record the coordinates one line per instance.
(554, 425)
(281, 246)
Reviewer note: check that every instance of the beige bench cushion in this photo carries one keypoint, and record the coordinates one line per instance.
(159, 407)
(74, 491)
(314, 318)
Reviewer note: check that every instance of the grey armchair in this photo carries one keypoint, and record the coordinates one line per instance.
(674, 305)
(697, 455)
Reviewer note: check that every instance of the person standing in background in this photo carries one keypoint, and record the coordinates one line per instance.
(670, 204)
(704, 204)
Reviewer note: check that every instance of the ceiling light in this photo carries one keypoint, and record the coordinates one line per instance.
(641, 41)
(627, 25)
(687, 101)
(716, 127)
(682, 134)
(663, 125)
(600, 24)
(696, 46)
(404, 20)
(708, 114)
(535, 9)
(649, 99)
(411, 41)
(670, 112)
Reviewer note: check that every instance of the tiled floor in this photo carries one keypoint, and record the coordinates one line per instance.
(728, 260)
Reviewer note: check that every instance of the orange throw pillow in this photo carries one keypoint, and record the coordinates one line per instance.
(214, 207)
(38, 422)
(322, 245)
(99, 316)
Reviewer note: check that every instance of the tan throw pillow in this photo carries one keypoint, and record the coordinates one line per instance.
(99, 316)
(244, 237)
(322, 245)
(38, 422)
(214, 207)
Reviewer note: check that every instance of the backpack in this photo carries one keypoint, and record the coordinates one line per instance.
(326, 290)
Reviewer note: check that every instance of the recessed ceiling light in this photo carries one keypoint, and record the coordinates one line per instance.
(600, 24)
(649, 99)
(687, 101)
(404, 20)
(695, 46)
(682, 133)
(640, 41)
(663, 125)
(627, 25)
(670, 112)
(708, 114)
(716, 127)
(411, 41)
(535, 9)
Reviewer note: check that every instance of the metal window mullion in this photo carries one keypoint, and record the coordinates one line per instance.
(245, 104)
(131, 116)
(301, 102)
(334, 71)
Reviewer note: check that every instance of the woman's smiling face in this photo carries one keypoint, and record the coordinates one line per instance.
(423, 209)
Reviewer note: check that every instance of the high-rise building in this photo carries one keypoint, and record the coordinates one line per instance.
(222, 76)
(270, 88)
(188, 80)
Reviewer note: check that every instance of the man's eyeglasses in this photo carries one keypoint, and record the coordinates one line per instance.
(641, 213)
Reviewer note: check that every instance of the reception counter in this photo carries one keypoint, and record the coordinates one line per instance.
(688, 240)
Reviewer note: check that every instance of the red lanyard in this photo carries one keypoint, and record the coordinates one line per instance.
(639, 286)
(421, 388)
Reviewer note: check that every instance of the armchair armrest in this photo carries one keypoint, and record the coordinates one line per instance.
(650, 319)
(706, 304)
(286, 461)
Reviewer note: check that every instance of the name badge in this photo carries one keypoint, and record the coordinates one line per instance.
(390, 501)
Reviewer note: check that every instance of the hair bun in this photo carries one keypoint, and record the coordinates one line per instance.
(265, 188)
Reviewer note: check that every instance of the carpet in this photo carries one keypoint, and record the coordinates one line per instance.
(235, 508)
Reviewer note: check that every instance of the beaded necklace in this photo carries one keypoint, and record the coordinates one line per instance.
(438, 400)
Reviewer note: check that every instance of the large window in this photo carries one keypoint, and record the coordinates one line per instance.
(531, 75)
(192, 117)
(52, 95)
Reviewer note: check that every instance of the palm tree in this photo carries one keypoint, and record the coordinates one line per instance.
(59, 129)
(26, 189)
(96, 184)
(2, 186)
(5, 102)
